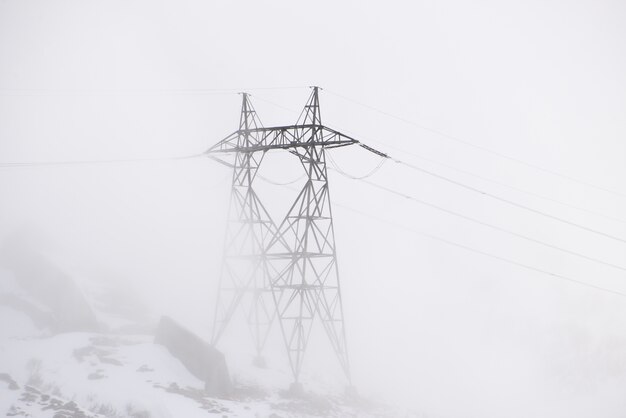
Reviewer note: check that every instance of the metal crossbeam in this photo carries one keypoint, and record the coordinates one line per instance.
(295, 261)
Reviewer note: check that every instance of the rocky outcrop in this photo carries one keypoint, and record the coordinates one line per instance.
(200, 358)
(65, 308)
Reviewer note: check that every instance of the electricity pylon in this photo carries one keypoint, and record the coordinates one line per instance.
(296, 261)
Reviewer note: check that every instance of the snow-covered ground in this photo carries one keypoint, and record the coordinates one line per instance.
(114, 372)
(85, 374)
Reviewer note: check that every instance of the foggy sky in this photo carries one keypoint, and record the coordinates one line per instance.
(447, 331)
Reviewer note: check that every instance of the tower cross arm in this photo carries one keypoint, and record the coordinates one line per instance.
(282, 137)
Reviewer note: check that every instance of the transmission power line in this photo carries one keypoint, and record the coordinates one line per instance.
(479, 147)
(488, 225)
(278, 183)
(366, 175)
(25, 164)
(481, 252)
(132, 91)
(504, 200)
(490, 180)
(510, 202)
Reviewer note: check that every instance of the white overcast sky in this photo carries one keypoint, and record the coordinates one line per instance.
(451, 332)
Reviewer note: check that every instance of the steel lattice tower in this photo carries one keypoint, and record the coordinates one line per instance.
(294, 262)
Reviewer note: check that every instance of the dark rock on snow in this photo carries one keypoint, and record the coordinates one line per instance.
(200, 358)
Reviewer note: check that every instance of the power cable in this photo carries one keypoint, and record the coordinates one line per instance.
(481, 177)
(479, 147)
(122, 92)
(267, 180)
(93, 162)
(368, 174)
(509, 202)
(488, 225)
(483, 253)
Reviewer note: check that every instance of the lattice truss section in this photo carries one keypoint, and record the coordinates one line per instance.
(287, 271)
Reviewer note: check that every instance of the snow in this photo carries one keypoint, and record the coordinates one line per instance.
(115, 374)
(128, 375)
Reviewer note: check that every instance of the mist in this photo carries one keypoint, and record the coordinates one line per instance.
(524, 96)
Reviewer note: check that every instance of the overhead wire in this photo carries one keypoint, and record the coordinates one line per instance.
(479, 147)
(483, 253)
(510, 202)
(488, 225)
(276, 183)
(490, 180)
(135, 91)
(93, 162)
(365, 176)
(468, 218)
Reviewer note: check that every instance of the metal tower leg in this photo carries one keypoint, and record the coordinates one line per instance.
(243, 278)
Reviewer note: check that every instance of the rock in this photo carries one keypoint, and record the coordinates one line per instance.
(97, 375)
(144, 369)
(12, 384)
(51, 287)
(200, 358)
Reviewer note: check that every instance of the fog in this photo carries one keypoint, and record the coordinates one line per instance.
(435, 328)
